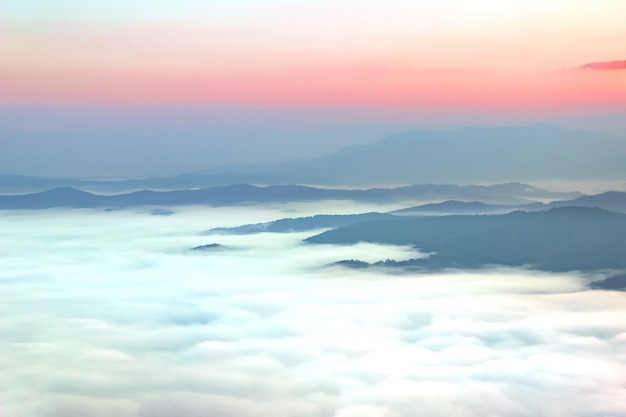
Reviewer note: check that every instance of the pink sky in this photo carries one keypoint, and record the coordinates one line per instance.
(489, 54)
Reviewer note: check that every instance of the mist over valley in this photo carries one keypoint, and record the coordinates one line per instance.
(112, 312)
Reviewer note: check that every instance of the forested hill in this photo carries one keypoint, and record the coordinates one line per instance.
(561, 239)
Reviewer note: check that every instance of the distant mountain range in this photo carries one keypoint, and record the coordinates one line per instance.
(13, 184)
(468, 155)
(466, 207)
(460, 156)
(512, 193)
(608, 201)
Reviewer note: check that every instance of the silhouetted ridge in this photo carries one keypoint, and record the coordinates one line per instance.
(468, 154)
(321, 221)
(560, 239)
(246, 193)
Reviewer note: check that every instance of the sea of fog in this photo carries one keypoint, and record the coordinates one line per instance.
(111, 314)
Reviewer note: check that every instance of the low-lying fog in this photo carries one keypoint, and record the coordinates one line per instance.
(112, 314)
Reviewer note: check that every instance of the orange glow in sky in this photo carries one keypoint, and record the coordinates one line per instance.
(508, 53)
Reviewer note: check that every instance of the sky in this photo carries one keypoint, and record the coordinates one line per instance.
(384, 66)
(117, 316)
(317, 53)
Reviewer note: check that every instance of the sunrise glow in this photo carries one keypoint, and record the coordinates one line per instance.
(402, 54)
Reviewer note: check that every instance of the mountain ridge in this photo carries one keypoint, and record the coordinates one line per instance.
(464, 155)
(246, 193)
(558, 240)
(510, 153)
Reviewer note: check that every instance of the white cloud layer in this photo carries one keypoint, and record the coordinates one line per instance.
(111, 314)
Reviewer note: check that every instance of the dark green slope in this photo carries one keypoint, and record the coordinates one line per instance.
(561, 239)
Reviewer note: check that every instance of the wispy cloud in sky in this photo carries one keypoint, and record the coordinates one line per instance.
(606, 66)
